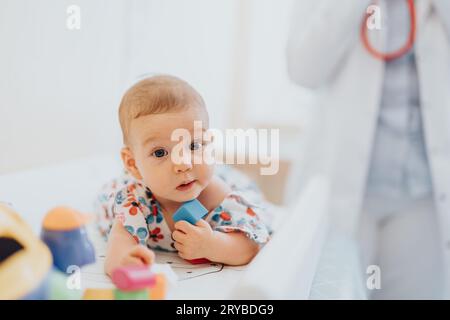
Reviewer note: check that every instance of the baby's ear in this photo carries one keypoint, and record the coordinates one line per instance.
(130, 163)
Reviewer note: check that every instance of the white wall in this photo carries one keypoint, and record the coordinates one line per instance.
(269, 98)
(60, 88)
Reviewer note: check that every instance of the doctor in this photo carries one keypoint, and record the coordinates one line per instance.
(382, 132)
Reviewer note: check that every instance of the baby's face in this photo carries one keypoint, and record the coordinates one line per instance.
(151, 146)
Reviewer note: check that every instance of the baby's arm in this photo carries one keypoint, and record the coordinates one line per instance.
(200, 241)
(124, 251)
(233, 248)
(214, 193)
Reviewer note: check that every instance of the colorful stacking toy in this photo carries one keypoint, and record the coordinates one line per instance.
(26, 268)
(132, 283)
(29, 267)
(64, 232)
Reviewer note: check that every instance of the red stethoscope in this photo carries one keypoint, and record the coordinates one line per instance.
(398, 53)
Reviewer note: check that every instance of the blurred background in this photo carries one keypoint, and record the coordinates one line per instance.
(60, 88)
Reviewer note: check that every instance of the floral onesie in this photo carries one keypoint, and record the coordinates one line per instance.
(134, 205)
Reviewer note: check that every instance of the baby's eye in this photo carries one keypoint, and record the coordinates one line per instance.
(160, 153)
(195, 145)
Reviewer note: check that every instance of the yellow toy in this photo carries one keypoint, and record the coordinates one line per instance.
(25, 261)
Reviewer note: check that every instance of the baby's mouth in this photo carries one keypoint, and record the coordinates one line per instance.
(186, 185)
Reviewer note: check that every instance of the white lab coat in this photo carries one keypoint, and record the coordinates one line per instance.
(325, 52)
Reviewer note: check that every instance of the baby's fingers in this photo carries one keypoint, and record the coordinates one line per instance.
(131, 261)
(143, 253)
(203, 224)
(184, 226)
(179, 236)
(178, 246)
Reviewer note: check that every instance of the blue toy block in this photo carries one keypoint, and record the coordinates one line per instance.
(191, 211)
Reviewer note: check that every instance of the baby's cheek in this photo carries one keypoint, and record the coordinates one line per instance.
(156, 181)
(204, 173)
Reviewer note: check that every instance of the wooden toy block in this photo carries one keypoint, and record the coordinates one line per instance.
(142, 294)
(133, 278)
(191, 211)
(98, 294)
(159, 291)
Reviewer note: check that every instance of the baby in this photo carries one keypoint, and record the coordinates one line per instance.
(137, 209)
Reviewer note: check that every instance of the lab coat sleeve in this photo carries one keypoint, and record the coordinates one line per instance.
(322, 32)
(443, 10)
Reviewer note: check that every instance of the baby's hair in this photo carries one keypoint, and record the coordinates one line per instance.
(154, 95)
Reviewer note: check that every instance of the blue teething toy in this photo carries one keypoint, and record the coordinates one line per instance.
(191, 211)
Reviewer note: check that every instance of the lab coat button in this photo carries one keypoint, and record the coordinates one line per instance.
(442, 197)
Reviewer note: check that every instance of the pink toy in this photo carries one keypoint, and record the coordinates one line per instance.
(133, 278)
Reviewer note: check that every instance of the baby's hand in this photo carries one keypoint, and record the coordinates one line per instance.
(193, 242)
(138, 255)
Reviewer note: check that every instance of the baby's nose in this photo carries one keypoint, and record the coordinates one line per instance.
(183, 167)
